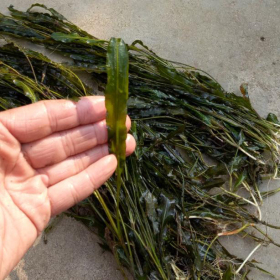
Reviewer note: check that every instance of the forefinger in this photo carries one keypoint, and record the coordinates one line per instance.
(36, 121)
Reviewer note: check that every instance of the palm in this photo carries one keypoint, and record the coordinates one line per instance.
(25, 208)
(52, 155)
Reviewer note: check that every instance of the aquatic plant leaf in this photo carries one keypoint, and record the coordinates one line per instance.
(166, 212)
(75, 38)
(28, 92)
(228, 275)
(273, 118)
(151, 209)
(116, 96)
(53, 11)
(11, 26)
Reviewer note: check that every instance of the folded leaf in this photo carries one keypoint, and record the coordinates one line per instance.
(116, 95)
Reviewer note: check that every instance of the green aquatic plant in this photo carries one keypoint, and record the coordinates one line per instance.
(201, 153)
(116, 95)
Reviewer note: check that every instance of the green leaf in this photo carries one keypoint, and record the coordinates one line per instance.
(151, 207)
(240, 180)
(272, 118)
(28, 92)
(17, 29)
(166, 211)
(53, 12)
(228, 275)
(75, 38)
(116, 96)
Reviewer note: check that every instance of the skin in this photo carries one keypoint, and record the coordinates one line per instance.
(53, 154)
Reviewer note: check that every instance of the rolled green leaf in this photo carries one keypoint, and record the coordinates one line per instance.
(116, 95)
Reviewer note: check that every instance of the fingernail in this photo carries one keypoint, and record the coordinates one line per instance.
(110, 163)
(130, 144)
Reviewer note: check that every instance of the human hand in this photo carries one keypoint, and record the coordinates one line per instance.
(53, 154)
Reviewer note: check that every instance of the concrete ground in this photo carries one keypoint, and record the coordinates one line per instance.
(236, 41)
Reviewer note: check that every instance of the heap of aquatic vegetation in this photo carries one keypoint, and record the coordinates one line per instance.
(171, 205)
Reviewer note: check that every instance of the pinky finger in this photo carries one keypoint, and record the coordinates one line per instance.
(72, 190)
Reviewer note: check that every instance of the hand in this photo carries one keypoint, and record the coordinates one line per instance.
(53, 154)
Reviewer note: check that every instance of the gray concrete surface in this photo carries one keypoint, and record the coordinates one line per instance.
(222, 37)
(72, 252)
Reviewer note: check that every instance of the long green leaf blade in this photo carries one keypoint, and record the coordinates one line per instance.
(116, 95)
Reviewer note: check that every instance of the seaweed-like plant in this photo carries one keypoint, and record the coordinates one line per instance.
(166, 220)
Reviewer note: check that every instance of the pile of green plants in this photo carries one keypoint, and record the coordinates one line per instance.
(201, 153)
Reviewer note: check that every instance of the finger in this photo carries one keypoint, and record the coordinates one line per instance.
(61, 145)
(69, 192)
(9, 151)
(38, 120)
(75, 164)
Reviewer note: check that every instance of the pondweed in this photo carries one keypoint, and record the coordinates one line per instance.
(173, 205)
